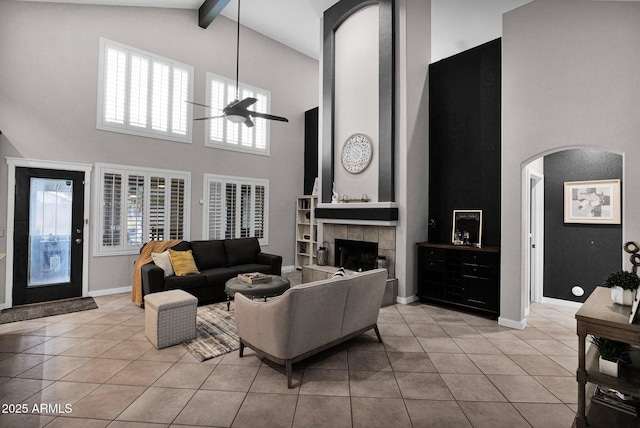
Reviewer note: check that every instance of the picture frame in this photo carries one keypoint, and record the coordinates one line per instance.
(467, 228)
(592, 202)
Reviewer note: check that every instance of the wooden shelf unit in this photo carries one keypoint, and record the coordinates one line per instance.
(462, 276)
(599, 316)
(306, 230)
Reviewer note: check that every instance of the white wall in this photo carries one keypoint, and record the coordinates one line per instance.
(570, 79)
(356, 98)
(413, 53)
(48, 87)
(458, 25)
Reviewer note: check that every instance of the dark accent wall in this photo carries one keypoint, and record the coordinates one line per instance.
(464, 140)
(310, 149)
(577, 254)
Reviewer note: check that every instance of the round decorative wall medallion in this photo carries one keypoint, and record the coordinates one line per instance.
(356, 153)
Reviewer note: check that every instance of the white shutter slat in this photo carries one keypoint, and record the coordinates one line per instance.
(176, 214)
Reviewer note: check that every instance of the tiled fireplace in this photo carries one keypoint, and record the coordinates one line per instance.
(383, 236)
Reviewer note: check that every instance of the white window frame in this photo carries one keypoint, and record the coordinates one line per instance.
(147, 130)
(261, 126)
(125, 172)
(209, 179)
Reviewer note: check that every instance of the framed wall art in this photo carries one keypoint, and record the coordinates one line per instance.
(467, 228)
(592, 202)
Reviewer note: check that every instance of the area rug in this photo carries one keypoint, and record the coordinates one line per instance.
(46, 309)
(216, 332)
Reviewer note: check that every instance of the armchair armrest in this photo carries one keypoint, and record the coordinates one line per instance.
(152, 278)
(264, 325)
(272, 260)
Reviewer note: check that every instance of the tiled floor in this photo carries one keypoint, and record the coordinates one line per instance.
(437, 368)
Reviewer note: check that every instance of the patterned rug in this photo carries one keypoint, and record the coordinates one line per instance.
(217, 333)
(46, 309)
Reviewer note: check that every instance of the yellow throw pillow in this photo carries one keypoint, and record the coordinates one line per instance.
(183, 263)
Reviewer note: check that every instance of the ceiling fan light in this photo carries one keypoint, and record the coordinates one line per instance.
(235, 118)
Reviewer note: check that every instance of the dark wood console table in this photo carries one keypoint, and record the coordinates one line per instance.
(461, 276)
(599, 316)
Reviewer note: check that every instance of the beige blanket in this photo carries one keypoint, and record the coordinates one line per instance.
(144, 258)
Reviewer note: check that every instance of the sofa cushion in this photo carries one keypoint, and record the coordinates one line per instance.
(185, 282)
(241, 251)
(252, 267)
(209, 254)
(163, 261)
(183, 262)
(218, 276)
(182, 246)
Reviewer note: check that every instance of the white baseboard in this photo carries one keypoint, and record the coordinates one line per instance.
(406, 300)
(518, 325)
(560, 302)
(110, 291)
(287, 269)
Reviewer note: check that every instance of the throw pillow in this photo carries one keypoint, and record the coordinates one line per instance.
(183, 263)
(339, 273)
(163, 261)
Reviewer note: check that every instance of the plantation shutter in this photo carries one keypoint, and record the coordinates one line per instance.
(157, 208)
(217, 220)
(111, 209)
(160, 97)
(245, 211)
(138, 91)
(135, 210)
(176, 209)
(180, 111)
(259, 207)
(230, 199)
(115, 86)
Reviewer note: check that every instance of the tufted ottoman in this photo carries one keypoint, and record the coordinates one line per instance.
(169, 317)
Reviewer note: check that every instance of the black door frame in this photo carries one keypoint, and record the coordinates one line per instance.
(14, 163)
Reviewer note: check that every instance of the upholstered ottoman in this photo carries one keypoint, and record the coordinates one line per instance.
(169, 317)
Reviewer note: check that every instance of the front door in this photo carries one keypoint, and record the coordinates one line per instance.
(48, 234)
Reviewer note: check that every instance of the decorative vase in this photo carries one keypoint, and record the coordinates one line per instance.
(382, 263)
(609, 368)
(623, 297)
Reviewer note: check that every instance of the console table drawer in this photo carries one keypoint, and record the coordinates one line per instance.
(476, 271)
(434, 254)
(473, 258)
(434, 265)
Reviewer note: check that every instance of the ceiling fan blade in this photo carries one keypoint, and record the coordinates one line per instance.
(248, 122)
(198, 104)
(244, 103)
(268, 116)
(210, 117)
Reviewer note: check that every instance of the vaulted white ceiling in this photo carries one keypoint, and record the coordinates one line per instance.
(457, 25)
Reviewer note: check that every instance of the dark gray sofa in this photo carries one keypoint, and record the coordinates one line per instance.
(217, 261)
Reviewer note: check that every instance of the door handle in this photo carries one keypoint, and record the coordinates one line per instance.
(78, 240)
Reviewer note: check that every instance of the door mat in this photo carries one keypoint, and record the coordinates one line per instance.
(46, 309)
(216, 332)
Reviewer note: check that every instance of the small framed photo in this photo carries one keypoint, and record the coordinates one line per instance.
(467, 228)
(592, 202)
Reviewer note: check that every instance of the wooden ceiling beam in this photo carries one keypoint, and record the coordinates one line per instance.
(209, 10)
